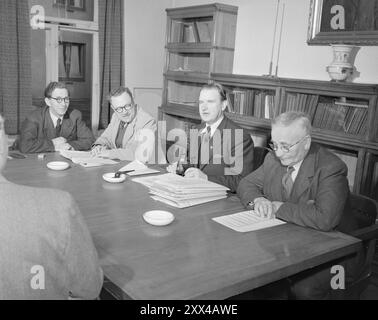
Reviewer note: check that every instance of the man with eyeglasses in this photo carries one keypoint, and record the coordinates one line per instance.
(130, 134)
(55, 126)
(302, 183)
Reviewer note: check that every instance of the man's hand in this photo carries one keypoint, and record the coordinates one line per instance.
(172, 167)
(195, 173)
(63, 146)
(264, 208)
(97, 150)
(58, 141)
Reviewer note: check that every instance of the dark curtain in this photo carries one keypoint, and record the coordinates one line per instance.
(111, 52)
(15, 63)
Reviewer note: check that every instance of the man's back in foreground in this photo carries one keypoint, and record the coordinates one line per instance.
(47, 251)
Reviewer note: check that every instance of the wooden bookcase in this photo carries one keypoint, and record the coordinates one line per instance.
(344, 115)
(199, 40)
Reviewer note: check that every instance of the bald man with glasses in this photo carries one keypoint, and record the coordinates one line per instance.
(302, 183)
(131, 132)
(55, 126)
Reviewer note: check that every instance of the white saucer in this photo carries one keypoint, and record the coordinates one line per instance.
(57, 165)
(158, 217)
(109, 177)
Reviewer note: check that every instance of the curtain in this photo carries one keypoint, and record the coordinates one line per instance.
(111, 52)
(15, 63)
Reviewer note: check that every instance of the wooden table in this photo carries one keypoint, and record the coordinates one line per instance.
(194, 257)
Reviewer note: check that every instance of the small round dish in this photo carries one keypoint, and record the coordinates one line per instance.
(158, 217)
(57, 165)
(109, 177)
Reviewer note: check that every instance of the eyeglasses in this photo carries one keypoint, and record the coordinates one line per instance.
(285, 148)
(125, 108)
(60, 100)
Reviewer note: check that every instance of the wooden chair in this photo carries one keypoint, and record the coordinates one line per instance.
(365, 210)
(259, 154)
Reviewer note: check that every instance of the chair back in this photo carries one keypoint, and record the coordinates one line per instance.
(364, 210)
(259, 154)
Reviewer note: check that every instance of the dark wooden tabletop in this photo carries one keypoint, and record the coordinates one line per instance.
(192, 258)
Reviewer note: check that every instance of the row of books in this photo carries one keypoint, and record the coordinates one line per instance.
(342, 118)
(306, 103)
(191, 32)
(255, 103)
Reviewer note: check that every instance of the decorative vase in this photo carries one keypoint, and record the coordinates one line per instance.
(341, 67)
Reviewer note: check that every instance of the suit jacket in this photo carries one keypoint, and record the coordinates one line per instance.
(320, 194)
(230, 155)
(143, 125)
(38, 130)
(42, 227)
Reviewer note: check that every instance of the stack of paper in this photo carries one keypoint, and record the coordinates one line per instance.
(182, 192)
(85, 158)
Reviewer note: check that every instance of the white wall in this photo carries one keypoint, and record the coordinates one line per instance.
(145, 26)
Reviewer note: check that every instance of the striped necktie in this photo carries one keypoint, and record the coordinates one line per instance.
(203, 150)
(287, 182)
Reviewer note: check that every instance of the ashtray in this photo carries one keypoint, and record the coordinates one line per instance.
(158, 217)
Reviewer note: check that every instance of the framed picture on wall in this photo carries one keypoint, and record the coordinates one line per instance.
(71, 5)
(343, 21)
(71, 61)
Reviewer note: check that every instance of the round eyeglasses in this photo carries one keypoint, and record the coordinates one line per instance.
(60, 100)
(126, 107)
(274, 146)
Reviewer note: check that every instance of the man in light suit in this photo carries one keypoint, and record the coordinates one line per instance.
(54, 127)
(302, 183)
(130, 134)
(46, 250)
(224, 151)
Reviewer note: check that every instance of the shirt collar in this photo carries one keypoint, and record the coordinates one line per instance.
(54, 118)
(213, 126)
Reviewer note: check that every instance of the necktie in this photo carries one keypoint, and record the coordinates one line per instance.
(58, 127)
(203, 150)
(120, 134)
(287, 182)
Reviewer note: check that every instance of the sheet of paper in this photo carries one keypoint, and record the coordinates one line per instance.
(69, 154)
(134, 165)
(93, 162)
(246, 221)
(85, 158)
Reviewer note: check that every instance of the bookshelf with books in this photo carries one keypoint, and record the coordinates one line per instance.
(199, 40)
(344, 117)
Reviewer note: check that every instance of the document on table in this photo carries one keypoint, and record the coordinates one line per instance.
(246, 221)
(138, 167)
(85, 159)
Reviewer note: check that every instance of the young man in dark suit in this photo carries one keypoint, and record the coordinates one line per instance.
(54, 127)
(224, 151)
